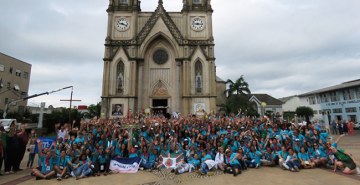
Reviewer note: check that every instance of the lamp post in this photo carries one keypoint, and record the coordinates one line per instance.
(263, 105)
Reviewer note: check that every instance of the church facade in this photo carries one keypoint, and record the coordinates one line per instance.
(160, 61)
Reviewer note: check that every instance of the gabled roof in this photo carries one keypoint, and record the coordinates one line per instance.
(285, 99)
(344, 85)
(269, 100)
(160, 12)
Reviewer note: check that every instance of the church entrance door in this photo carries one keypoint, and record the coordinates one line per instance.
(160, 106)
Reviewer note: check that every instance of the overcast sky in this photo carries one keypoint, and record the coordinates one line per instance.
(282, 47)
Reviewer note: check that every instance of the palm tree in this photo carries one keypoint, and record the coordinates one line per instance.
(240, 87)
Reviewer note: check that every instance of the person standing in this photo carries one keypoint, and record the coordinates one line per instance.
(334, 127)
(340, 127)
(12, 149)
(2, 146)
(350, 127)
(23, 139)
(31, 150)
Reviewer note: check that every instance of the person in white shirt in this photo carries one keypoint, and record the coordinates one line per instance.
(62, 132)
(219, 159)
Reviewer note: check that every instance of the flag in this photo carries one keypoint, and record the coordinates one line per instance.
(125, 165)
(172, 161)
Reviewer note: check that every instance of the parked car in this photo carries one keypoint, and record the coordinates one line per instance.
(7, 122)
(357, 126)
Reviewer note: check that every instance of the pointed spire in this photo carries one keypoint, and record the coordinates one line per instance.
(160, 2)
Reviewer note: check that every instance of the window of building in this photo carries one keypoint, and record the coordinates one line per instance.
(8, 85)
(315, 112)
(327, 111)
(312, 100)
(351, 109)
(348, 95)
(324, 98)
(2, 67)
(351, 94)
(357, 92)
(196, 1)
(337, 111)
(318, 99)
(6, 100)
(198, 77)
(18, 73)
(25, 75)
(334, 97)
(10, 70)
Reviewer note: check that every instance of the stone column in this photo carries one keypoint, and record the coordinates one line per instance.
(178, 67)
(140, 84)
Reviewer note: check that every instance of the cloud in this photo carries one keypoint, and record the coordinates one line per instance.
(283, 47)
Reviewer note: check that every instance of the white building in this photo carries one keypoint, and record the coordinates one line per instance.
(338, 102)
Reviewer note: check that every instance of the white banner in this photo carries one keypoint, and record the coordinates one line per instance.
(125, 165)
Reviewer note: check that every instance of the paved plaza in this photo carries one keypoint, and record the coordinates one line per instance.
(264, 175)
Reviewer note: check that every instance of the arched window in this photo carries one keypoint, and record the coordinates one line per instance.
(120, 78)
(198, 77)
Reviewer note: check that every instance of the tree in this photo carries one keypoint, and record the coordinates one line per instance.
(237, 102)
(94, 110)
(237, 97)
(306, 112)
(240, 87)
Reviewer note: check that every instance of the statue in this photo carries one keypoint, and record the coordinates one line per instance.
(198, 82)
(120, 83)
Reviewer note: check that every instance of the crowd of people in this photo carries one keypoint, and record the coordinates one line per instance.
(231, 143)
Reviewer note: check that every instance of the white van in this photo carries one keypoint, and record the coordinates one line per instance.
(7, 122)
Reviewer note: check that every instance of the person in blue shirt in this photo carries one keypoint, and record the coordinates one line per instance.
(81, 167)
(145, 159)
(235, 163)
(46, 164)
(292, 161)
(319, 157)
(103, 163)
(254, 158)
(304, 158)
(268, 157)
(61, 165)
(134, 152)
(204, 167)
(282, 157)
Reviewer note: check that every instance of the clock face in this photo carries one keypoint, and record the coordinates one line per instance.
(122, 24)
(197, 24)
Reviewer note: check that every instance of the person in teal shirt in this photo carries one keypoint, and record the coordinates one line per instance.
(235, 164)
(254, 158)
(61, 165)
(103, 164)
(282, 157)
(204, 167)
(304, 158)
(46, 164)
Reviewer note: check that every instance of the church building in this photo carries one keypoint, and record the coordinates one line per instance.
(160, 61)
